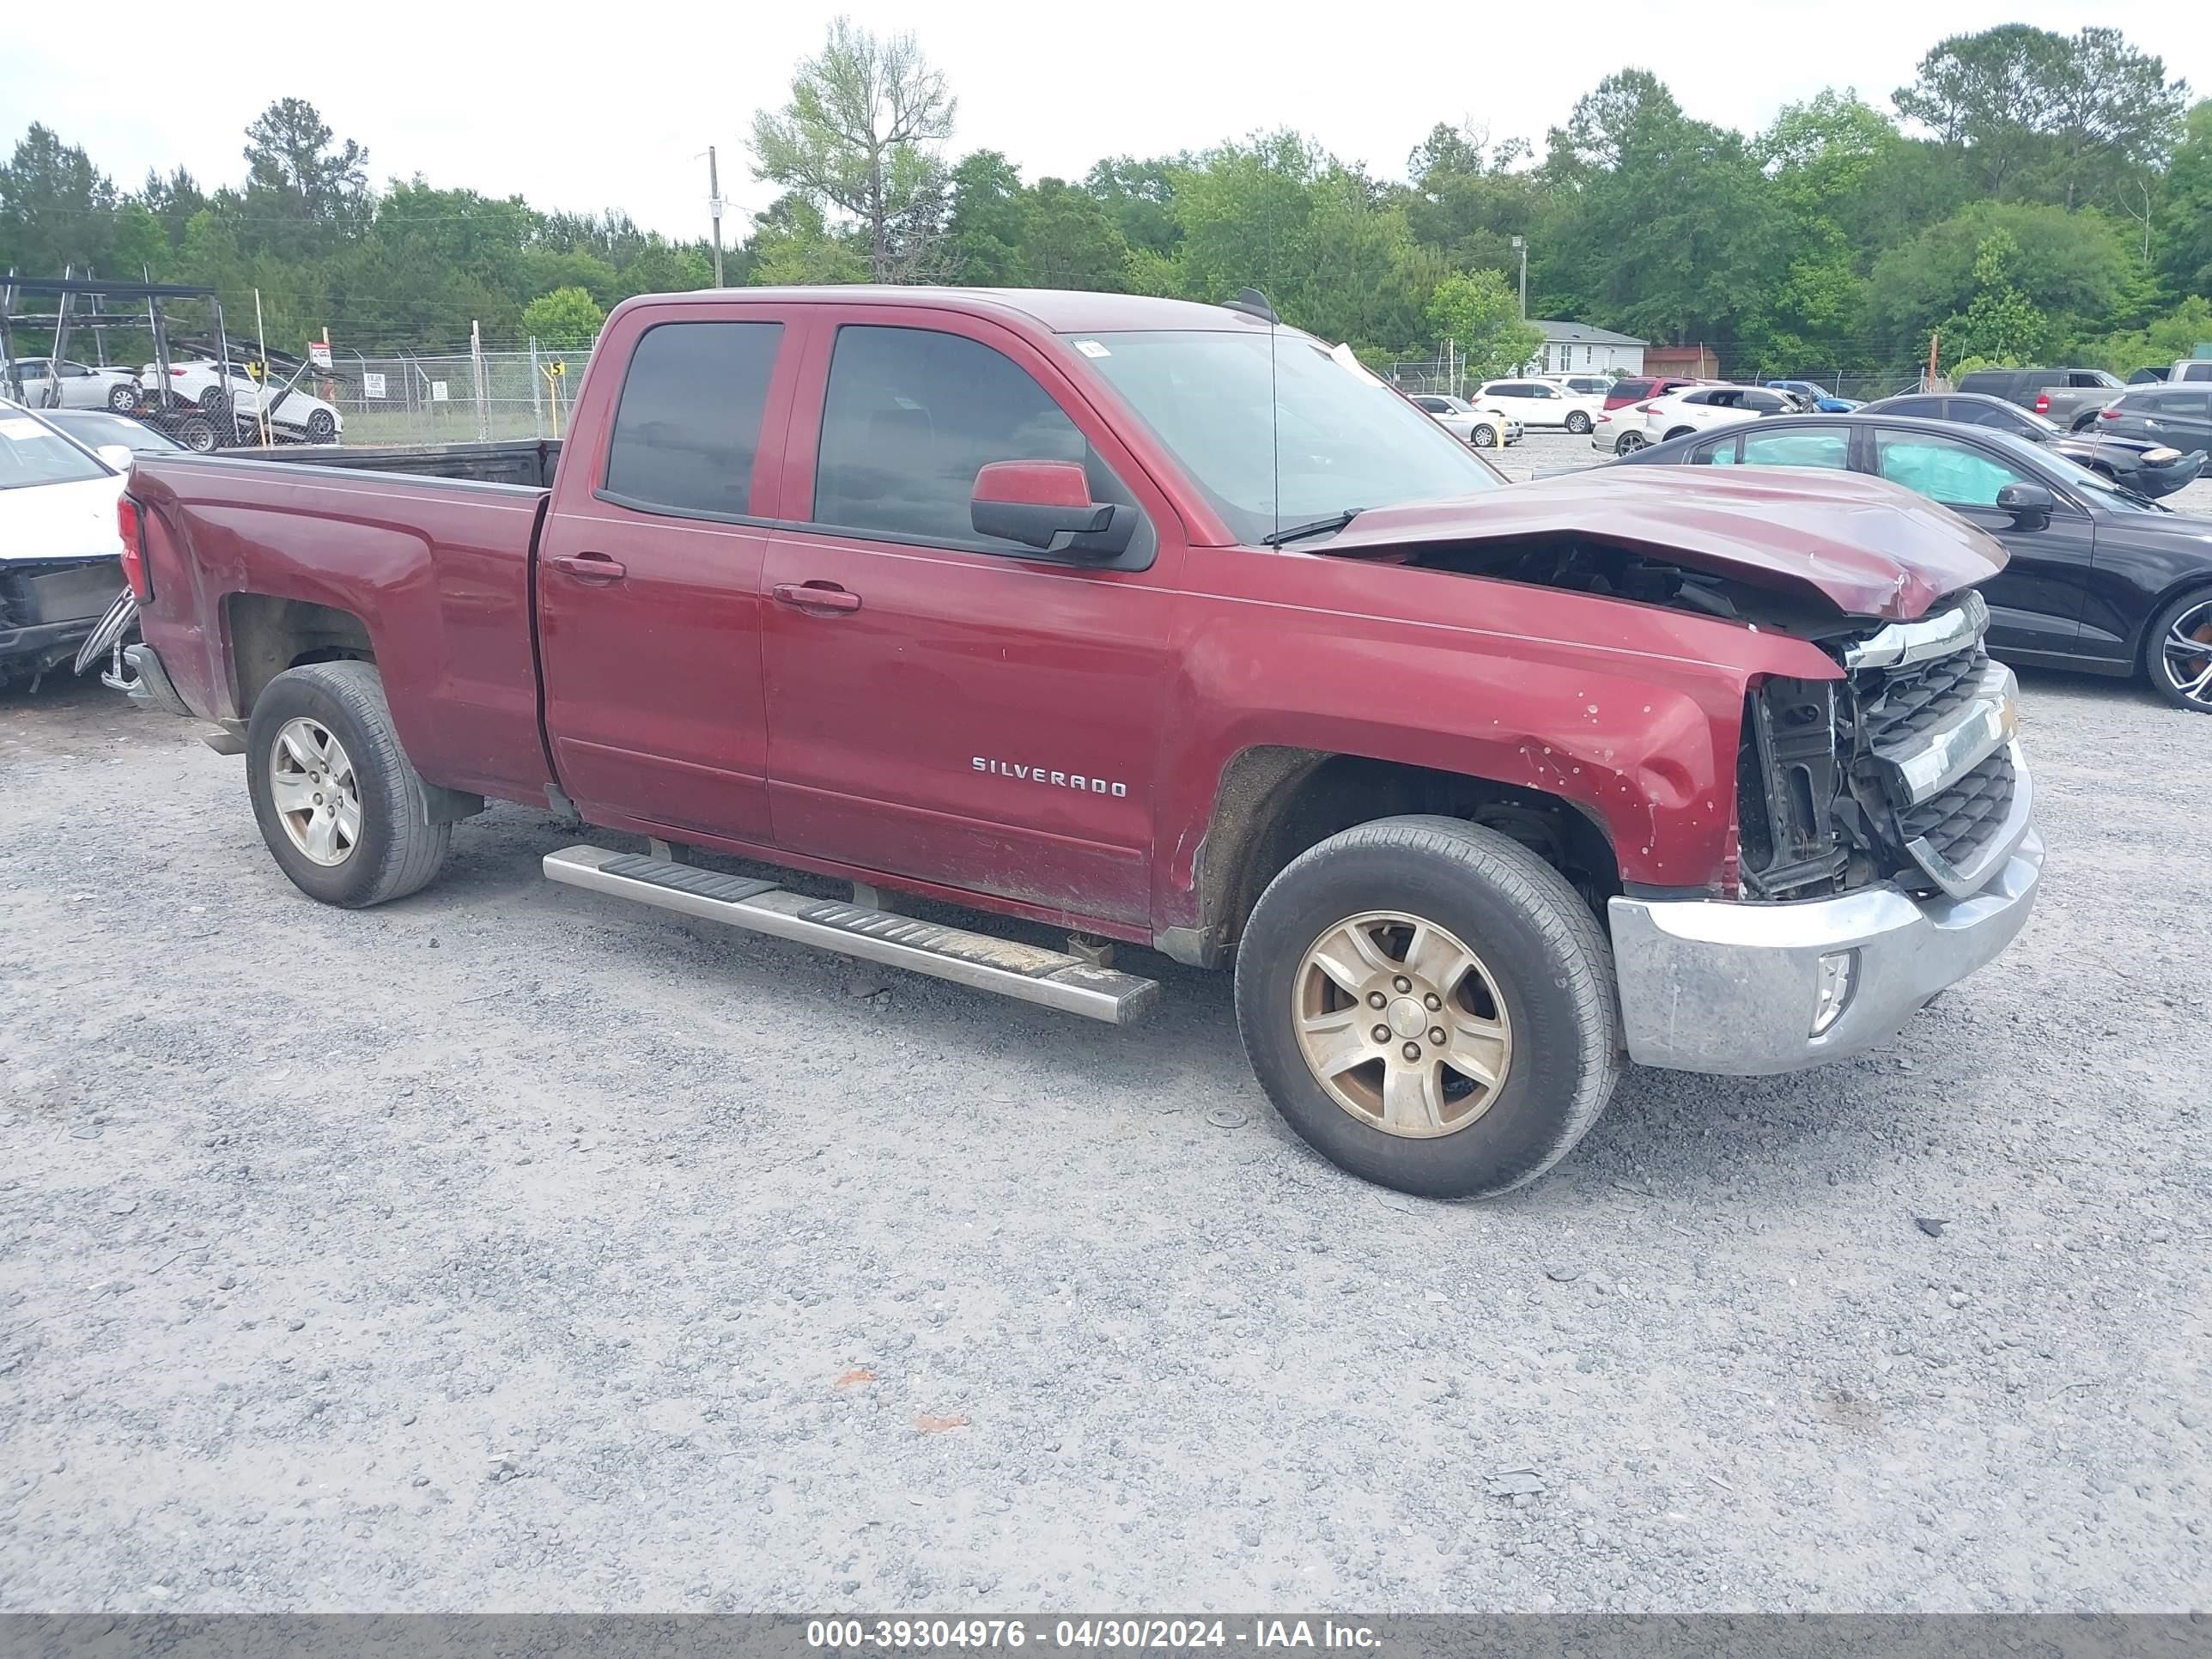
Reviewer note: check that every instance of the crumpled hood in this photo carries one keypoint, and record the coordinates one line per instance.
(1870, 548)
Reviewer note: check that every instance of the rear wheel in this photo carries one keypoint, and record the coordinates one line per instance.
(1485, 437)
(322, 426)
(342, 811)
(214, 400)
(1430, 1006)
(1629, 442)
(123, 397)
(1579, 424)
(2178, 652)
(198, 433)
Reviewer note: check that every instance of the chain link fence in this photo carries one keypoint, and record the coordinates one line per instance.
(464, 397)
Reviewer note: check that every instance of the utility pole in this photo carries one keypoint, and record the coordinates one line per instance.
(1521, 247)
(715, 208)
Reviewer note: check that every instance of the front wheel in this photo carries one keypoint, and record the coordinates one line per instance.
(123, 397)
(1579, 424)
(322, 426)
(342, 811)
(1431, 1006)
(1628, 443)
(2178, 652)
(1485, 437)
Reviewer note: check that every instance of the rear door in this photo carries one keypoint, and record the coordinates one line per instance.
(2035, 601)
(649, 567)
(969, 712)
(2181, 418)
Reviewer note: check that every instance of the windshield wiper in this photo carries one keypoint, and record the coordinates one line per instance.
(1298, 532)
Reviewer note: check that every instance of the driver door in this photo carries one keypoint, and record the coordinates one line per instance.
(2035, 601)
(971, 713)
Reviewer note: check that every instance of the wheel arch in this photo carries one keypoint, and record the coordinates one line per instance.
(2182, 587)
(268, 634)
(1273, 802)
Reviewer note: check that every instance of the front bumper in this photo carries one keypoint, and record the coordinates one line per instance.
(1712, 985)
(47, 606)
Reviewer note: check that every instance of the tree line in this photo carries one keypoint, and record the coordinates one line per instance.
(2028, 196)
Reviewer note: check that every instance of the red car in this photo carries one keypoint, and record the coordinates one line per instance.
(1638, 387)
(1149, 621)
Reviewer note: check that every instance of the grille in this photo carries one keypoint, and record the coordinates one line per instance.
(1919, 697)
(1959, 822)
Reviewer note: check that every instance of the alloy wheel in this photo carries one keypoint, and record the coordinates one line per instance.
(1401, 1024)
(317, 797)
(2187, 653)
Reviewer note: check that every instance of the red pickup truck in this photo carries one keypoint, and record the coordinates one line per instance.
(1157, 623)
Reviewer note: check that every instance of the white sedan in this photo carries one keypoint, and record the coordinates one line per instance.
(1485, 426)
(61, 542)
(79, 385)
(1697, 409)
(295, 414)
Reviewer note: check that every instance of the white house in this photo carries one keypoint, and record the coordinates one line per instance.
(1579, 348)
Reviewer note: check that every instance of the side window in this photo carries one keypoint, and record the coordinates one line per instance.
(1943, 469)
(689, 423)
(1830, 450)
(1924, 408)
(1726, 453)
(912, 415)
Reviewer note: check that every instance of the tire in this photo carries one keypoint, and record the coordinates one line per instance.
(1629, 442)
(2182, 678)
(1579, 424)
(123, 397)
(396, 850)
(1483, 436)
(1680, 432)
(214, 401)
(322, 426)
(1545, 973)
(198, 433)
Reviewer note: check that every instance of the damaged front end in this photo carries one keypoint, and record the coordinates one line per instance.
(1905, 771)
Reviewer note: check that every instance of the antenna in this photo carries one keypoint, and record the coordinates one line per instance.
(1253, 303)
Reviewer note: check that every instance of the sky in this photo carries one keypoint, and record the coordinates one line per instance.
(620, 114)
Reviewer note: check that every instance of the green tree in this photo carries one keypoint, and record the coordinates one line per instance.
(792, 243)
(568, 317)
(1479, 311)
(985, 232)
(2177, 334)
(1068, 241)
(2001, 325)
(1469, 198)
(1139, 197)
(2073, 268)
(56, 209)
(303, 190)
(2185, 221)
(861, 135)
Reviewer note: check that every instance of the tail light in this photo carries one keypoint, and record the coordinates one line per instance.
(1644, 409)
(1603, 418)
(2110, 412)
(2042, 403)
(134, 548)
(179, 372)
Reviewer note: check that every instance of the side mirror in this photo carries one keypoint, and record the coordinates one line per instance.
(1046, 505)
(118, 456)
(2029, 504)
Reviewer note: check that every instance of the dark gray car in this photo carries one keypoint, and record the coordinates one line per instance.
(2063, 395)
(2180, 416)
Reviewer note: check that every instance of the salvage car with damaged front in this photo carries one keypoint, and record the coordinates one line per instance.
(1149, 623)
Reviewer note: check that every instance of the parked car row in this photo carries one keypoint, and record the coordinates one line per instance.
(1696, 407)
(2143, 464)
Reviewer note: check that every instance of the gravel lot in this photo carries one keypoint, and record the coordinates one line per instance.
(511, 1248)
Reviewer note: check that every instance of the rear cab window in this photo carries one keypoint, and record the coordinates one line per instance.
(687, 430)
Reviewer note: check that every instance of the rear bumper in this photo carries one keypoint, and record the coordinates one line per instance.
(1709, 985)
(154, 685)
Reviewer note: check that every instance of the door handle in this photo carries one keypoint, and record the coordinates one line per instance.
(815, 596)
(594, 567)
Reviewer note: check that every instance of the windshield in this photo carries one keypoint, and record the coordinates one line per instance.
(94, 427)
(31, 452)
(1338, 441)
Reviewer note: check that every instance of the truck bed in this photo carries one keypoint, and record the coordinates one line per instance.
(527, 461)
(254, 557)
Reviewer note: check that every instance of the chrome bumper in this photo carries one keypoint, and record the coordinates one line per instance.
(1710, 986)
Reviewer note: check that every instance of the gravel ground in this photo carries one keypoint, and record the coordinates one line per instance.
(511, 1248)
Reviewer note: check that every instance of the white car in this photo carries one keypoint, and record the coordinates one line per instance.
(1585, 385)
(1697, 409)
(61, 543)
(296, 413)
(80, 386)
(1539, 403)
(1486, 425)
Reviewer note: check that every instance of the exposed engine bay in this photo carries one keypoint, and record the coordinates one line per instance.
(1819, 807)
